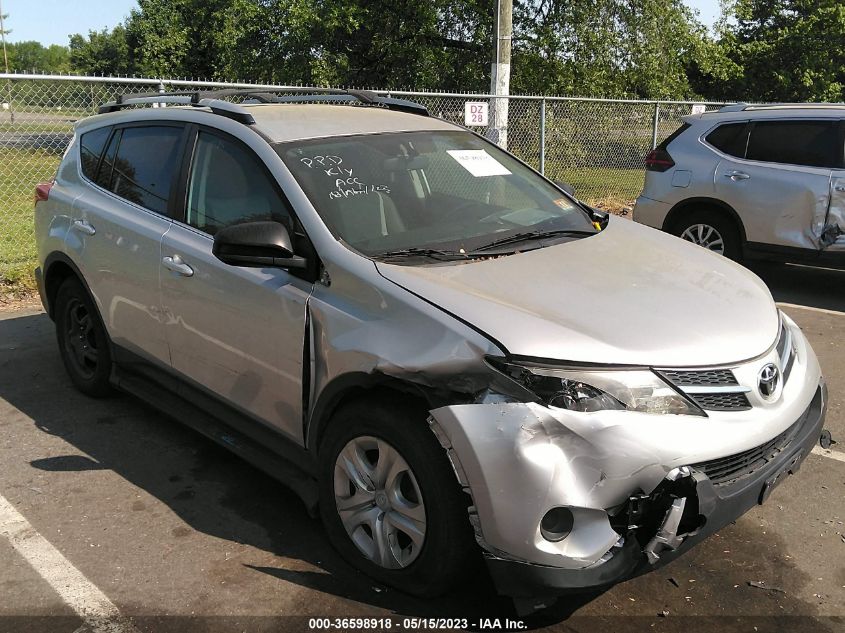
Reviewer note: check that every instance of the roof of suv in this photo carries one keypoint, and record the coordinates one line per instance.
(744, 112)
(289, 122)
(281, 123)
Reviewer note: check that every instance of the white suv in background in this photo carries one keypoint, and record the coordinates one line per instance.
(755, 181)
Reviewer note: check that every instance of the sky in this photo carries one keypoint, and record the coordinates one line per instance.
(54, 21)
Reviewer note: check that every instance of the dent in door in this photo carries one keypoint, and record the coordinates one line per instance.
(833, 234)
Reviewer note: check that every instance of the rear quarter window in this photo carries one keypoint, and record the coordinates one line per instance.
(91, 145)
(730, 138)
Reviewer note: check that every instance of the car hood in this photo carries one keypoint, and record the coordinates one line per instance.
(629, 295)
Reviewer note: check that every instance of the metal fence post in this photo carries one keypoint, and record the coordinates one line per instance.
(160, 90)
(654, 126)
(543, 137)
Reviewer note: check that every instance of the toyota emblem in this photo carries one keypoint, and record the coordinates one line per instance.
(767, 380)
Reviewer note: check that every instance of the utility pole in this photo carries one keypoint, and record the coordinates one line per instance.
(500, 75)
(6, 60)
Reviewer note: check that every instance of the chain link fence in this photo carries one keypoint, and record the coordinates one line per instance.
(596, 145)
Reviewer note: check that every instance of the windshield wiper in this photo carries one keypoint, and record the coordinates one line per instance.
(531, 235)
(433, 253)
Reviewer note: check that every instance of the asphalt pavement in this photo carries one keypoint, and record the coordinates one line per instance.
(115, 518)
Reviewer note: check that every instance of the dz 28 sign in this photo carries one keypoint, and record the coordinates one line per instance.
(475, 113)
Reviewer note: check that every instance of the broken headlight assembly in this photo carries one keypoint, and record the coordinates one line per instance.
(589, 390)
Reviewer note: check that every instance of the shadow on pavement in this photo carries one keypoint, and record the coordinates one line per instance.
(803, 285)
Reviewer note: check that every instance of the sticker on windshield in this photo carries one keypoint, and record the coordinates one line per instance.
(478, 162)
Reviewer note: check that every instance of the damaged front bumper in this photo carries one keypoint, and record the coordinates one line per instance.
(706, 509)
(639, 490)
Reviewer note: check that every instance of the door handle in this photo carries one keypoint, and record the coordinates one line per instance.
(839, 188)
(737, 175)
(176, 264)
(83, 227)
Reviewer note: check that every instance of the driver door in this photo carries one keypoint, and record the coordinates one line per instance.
(237, 333)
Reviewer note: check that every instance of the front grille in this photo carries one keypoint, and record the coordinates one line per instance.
(700, 377)
(721, 401)
(728, 469)
(710, 389)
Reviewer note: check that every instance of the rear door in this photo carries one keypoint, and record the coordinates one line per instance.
(237, 333)
(117, 226)
(835, 223)
(780, 186)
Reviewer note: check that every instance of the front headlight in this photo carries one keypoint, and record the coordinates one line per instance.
(599, 390)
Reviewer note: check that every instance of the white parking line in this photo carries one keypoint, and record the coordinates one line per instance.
(96, 610)
(810, 308)
(826, 452)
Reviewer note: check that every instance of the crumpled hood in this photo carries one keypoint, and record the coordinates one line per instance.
(629, 295)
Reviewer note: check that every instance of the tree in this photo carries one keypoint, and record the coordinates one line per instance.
(788, 50)
(32, 56)
(102, 53)
(638, 48)
(356, 42)
(641, 48)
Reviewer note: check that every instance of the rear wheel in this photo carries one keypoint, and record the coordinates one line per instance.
(82, 338)
(389, 499)
(710, 229)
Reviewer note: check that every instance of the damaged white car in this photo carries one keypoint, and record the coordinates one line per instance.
(438, 349)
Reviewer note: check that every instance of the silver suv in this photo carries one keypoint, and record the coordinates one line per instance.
(440, 351)
(751, 181)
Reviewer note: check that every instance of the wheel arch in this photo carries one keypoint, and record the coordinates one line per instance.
(703, 202)
(354, 386)
(57, 268)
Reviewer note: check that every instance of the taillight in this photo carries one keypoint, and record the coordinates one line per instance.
(42, 191)
(658, 160)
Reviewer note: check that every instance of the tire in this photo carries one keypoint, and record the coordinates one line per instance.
(83, 343)
(708, 228)
(365, 432)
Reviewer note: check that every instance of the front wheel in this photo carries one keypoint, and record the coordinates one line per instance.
(389, 499)
(82, 338)
(711, 230)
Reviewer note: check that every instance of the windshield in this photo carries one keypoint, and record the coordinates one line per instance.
(449, 191)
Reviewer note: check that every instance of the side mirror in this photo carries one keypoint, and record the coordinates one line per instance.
(256, 245)
(565, 187)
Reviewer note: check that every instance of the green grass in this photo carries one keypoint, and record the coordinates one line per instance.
(40, 127)
(20, 171)
(600, 183)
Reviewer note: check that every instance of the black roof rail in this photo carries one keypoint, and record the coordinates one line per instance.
(214, 99)
(742, 107)
(361, 96)
(196, 99)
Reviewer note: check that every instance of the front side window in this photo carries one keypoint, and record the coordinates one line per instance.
(426, 190)
(91, 145)
(229, 185)
(145, 164)
(808, 143)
